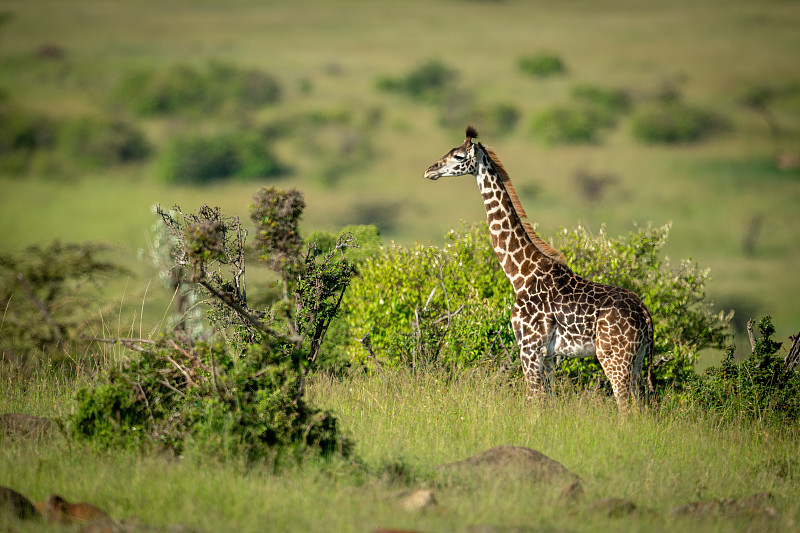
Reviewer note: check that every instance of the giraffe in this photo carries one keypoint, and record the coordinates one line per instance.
(556, 312)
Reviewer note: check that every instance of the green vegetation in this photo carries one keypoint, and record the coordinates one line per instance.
(610, 102)
(429, 82)
(764, 385)
(541, 65)
(569, 125)
(674, 122)
(198, 160)
(94, 143)
(47, 295)
(35, 144)
(189, 90)
(425, 306)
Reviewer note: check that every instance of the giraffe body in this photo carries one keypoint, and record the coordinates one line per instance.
(556, 312)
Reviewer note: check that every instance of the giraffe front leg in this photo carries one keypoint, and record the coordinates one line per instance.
(538, 367)
(532, 335)
(530, 358)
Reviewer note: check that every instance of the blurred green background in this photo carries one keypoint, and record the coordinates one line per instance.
(603, 112)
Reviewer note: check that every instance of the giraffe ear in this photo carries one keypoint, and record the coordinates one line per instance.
(472, 133)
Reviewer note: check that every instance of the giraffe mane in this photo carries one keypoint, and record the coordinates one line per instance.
(516, 205)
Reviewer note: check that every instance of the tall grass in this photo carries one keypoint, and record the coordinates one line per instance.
(404, 424)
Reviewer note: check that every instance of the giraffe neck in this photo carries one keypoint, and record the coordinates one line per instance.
(519, 257)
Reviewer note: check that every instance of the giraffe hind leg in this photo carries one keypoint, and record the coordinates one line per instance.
(617, 369)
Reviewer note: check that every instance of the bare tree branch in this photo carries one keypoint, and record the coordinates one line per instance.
(246, 315)
(793, 357)
(368, 347)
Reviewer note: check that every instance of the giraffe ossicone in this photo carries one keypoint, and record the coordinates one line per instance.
(556, 312)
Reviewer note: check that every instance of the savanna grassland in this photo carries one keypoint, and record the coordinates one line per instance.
(404, 425)
(339, 108)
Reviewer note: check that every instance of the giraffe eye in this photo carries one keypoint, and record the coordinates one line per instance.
(460, 157)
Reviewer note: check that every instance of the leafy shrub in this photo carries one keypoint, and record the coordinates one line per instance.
(367, 235)
(497, 120)
(198, 160)
(577, 124)
(22, 134)
(453, 304)
(99, 142)
(337, 140)
(428, 82)
(244, 397)
(426, 305)
(333, 357)
(674, 122)
(609, 102)
(761, 386)
(187, 89)
(29, 142)
(208, 400)
(541, 65)
(50, 298)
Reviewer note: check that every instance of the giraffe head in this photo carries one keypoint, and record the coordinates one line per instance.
(459, 161)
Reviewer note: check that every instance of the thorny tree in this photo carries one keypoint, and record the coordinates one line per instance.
(247, 396)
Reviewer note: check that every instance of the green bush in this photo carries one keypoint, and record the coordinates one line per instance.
(674, 122)
(50, 296)
(167, 399)
(198, 160)
(541, 65)
(190, 90)
(576, 124)
(22, 135)
(414, 312)
(428, 305)
(428, 82)
(29, 142)
(93, 143)
(761, 386)
(496, 120)
(609, 102)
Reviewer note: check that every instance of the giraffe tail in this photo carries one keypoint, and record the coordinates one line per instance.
(650, 345)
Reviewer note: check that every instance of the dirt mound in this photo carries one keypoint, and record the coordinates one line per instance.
(512, 461)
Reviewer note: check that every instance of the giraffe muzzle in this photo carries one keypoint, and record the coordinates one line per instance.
(432, 173)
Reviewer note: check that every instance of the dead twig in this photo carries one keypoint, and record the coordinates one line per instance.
(130, 343)
(189, 380)
(247, 315)
(169, 386)
(793, 357)
(146, 403)
(189, 355)
(750, 335)
(448, 316)
(368, 347)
